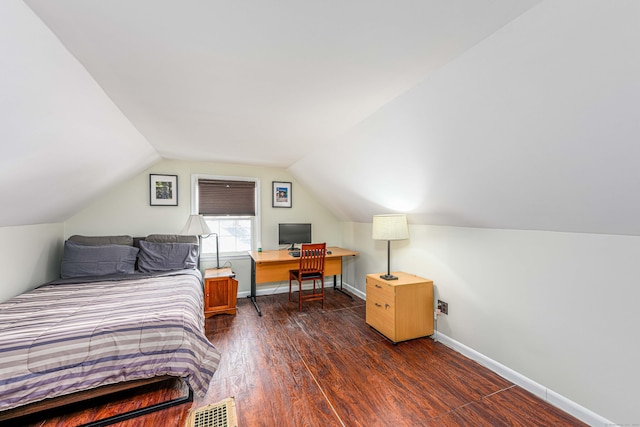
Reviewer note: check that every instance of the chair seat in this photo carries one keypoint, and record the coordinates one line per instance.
(306, 276)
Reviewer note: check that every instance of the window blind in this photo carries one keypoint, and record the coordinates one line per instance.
(224, 197)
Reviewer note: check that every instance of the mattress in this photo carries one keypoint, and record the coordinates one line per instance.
(75, 335)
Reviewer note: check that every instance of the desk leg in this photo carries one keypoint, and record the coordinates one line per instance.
(339, 289)
(253, 287)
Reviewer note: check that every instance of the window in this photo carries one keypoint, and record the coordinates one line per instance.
(234, 234)
(230, 207)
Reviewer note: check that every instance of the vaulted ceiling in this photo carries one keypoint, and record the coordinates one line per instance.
(490, 113)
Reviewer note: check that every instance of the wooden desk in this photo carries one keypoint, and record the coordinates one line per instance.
(274, 266)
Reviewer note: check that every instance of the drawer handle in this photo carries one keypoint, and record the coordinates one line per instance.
(378, 286)
(378, 305)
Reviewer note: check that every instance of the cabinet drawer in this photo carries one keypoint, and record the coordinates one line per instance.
(381, 307)
(381, 317)
(380, 291)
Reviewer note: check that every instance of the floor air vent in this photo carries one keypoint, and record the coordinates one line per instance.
(221, 414)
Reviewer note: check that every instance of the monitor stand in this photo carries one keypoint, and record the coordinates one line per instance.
(292, 248)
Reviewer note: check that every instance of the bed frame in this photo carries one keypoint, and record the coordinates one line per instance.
(33, 410)
(30, 410)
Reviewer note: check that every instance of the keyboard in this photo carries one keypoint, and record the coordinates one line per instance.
(295, 254)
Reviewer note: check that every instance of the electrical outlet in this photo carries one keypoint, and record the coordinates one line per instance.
(443, 307)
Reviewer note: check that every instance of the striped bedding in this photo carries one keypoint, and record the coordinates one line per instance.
(63, 338)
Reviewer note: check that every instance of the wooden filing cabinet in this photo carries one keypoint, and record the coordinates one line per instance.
(220, 291)
(400, 309)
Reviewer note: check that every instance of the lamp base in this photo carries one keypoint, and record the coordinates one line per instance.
(388, 277)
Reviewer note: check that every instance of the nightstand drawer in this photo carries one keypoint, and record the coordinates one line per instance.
(220, 292)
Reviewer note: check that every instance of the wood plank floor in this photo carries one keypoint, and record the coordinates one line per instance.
(328, 368)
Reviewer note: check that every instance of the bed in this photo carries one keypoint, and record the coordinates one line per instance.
(141, 317)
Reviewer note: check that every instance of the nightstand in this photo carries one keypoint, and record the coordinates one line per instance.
(220, 291)
(400, 309)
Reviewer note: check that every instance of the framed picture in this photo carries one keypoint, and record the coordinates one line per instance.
(281, 194)
(163, 190)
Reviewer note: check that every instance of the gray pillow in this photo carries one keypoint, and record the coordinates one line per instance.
(85, 260)
(167, 256)
(172, 238)
(102, 240)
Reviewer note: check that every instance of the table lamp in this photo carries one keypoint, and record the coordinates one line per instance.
(389, 227)
(197, 226)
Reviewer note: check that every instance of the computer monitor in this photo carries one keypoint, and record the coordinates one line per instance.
(290, 234)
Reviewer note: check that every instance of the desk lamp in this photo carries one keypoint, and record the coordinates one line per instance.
(197, 226)
(389, 227)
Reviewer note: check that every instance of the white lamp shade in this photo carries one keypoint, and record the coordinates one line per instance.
(196, 226)
(390, 227)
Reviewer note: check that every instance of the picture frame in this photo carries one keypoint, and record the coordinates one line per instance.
(281, 194)
(163, 190)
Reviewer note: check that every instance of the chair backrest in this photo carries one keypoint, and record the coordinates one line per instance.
(312, 258)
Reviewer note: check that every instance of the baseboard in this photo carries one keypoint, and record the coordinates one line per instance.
(355, 291)
(283, 287)
(583, 414)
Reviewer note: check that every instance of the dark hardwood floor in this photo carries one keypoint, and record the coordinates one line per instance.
(328, 368)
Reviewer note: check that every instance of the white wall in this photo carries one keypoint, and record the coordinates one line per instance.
(126, 209)
(29, 256)
(559, 308)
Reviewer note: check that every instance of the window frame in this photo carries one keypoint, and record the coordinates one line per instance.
(255, 227)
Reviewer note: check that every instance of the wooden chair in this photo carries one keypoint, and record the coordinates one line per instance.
(311, 268)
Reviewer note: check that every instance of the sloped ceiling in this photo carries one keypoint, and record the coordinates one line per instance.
(494, 113)
(63, 140)
(537, 128)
